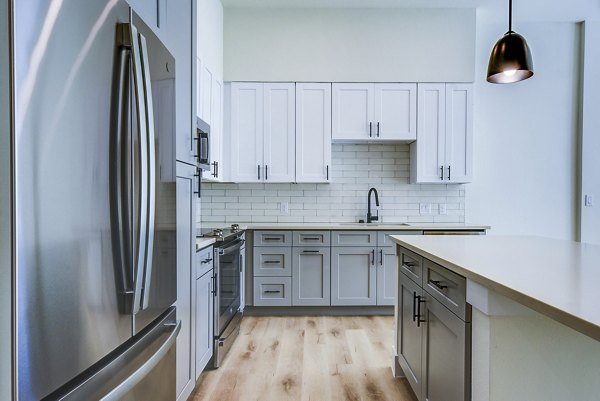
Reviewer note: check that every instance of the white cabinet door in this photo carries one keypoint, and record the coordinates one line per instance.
(459, 133)
(246, 132)
(185, 185)
(206, 93)
(151, 11)
(352, 111)
(216, 134)
(353, 276)
(395, 112)
(279, 157)
(428, 153)
(313, 132)
(204, 321)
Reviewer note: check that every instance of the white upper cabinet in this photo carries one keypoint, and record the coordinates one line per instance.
(262, 132)
(443, 150)
(459, 132)
(352, 111)
(372, 112)
(279, 158)
(313, 132)
(246, 132)
(395, 112)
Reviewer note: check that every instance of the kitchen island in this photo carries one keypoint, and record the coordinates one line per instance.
(532, 314)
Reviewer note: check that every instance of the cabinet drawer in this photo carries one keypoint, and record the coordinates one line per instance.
(204, 261)
(272, 261)
(353, 238)
(447, 287)
(272, 238)
(411, 264)
(272, 291)
(312, 238)
(384, 240)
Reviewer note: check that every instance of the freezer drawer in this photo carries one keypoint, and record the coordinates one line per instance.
(143, 369)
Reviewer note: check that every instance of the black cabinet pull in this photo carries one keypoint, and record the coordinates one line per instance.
(258, 172)
(205, 261)
(199, 176)
(272, 239)
(414, 306)
(327, 172)
(373, 257)
(272, 291)
(310, 251)
(370, 129)
(377, 129)
(215, 169)
(266, 172)
(311, 239)
(420, 300)
(272, 262)
(438, 284)
(381, 257)
(448, 173)
(442, 173)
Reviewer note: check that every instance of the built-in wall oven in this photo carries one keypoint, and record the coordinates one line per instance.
(228, 261)
(202, 144)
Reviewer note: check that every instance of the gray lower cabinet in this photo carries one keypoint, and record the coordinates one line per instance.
(272, 261)
(353, 276)
(446, 354)
(433, 341)
(311, 276)
(204, 321)
(386, 276)
(272, 291)
(410, 333)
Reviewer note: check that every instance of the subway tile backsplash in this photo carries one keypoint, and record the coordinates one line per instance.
(355, 169)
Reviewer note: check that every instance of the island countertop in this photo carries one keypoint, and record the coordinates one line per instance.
(557, 278)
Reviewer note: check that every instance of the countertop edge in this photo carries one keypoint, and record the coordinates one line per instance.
(576, 323)
(358, 226)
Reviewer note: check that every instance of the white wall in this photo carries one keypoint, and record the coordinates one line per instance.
(209, 41)
(352, 45)
(5, 227)
(525, 146)
(590, 136)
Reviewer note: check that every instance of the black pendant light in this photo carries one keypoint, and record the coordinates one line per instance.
(510, 60)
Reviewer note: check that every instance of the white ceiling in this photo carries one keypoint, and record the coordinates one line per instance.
(531, 10)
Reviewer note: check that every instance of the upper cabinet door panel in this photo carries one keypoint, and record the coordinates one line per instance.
(352, 111)
(395, 112)
(246, 132)
(431, 132)
(206, 93)
(313, 132)
(279, 132)
(459, 132)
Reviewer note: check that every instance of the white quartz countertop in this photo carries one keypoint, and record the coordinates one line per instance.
(557, 278)
(360, 226)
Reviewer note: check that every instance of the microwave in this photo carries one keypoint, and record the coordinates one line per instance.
(202, 144)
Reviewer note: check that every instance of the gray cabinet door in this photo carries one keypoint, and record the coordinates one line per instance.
(446, 355)
(410, 333)
(353, 276)
(272, 261)
(311, 278)
(185, 187)
(387, 269)
(204, 321)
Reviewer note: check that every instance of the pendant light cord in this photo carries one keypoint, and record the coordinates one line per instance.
(510, 16)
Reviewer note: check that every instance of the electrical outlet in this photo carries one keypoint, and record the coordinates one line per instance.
(443, 208)
(284, 207)
(589, 200)
(425, 208)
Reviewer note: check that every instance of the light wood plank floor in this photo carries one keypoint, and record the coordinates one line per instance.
(311, 358)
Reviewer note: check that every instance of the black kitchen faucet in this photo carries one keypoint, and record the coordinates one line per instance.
(371, 218)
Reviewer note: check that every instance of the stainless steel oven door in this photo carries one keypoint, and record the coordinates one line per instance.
(227, 269)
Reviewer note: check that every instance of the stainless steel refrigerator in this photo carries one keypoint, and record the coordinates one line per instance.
(95, 217)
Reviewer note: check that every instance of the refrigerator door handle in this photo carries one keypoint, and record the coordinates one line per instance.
(126, 385)
(151, 172)
(140, 105)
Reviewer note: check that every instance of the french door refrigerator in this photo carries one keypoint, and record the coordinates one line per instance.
(95, 219)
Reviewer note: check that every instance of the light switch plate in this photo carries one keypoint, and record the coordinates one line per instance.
(425, 208)
(589, 200)
(284, 207)
(443, 208)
